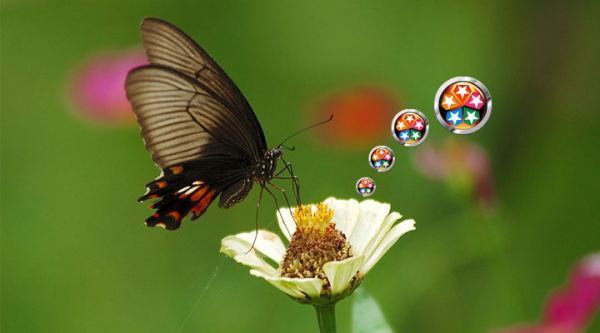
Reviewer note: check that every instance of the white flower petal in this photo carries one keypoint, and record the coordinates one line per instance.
(285, 286)
(340, 273)
(286, 221)
(387, 224)
(237, 248)
(390, 238)
(299, 288)
(345, 214)
(309, 286)
(370, 220)
(267, 244)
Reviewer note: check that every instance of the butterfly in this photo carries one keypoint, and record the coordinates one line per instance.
(199, 129)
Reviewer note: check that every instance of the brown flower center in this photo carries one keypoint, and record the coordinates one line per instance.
(315, 243)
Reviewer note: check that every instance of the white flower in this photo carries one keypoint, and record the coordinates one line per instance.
(334, 246)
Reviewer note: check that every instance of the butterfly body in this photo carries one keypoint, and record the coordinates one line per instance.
(198, 127)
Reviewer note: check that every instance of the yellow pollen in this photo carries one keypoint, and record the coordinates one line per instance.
(316, 217)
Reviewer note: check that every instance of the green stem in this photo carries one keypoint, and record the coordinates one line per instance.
(326, 317)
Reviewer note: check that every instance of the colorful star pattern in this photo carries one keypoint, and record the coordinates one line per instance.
(462, 105)
(471, 116)
(454, 116)
(365, 186)
(462, 92)
(410, 127)
(475, 101)
(381, 158)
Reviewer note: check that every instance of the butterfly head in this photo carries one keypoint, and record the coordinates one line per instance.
(266, 168)
(275, 153)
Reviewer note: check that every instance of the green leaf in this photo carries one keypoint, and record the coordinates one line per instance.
(366, 314)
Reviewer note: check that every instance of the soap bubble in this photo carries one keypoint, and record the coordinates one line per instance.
(381, 158)
(365, 186)
(410, 127)
(463, 105)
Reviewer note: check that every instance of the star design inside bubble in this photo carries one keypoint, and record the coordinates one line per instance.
(471, 117)
(476, 100)
(448, 101)
(454, 118)
(462, 91)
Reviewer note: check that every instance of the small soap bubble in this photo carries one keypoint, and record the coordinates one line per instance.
(381, 158)
(365, 186)
(410, 127)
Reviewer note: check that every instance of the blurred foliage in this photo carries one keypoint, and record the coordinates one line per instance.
(367, 316)
(77, 258)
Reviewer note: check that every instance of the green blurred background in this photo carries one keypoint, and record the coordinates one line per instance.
(77, 258)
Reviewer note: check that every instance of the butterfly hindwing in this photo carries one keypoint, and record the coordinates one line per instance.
(235, 193)
(173, 207)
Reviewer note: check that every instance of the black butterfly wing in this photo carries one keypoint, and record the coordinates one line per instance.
(167, 45)
(195, 122)
(182, 120)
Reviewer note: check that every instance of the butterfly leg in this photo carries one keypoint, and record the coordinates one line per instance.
(294, 178)
(285, 168)
(278, 210)
(260, 194)
(286, 199)
(295, 181)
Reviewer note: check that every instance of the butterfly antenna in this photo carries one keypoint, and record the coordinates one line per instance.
(306, 129)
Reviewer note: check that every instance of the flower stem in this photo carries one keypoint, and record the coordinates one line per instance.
(326, 317)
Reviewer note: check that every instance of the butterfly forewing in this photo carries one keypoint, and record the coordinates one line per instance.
(180, 120)
(167, 45)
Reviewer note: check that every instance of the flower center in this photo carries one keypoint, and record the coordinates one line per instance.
(315, 243)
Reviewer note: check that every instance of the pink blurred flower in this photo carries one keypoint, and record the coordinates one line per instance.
(464, 165)
(362, 115)
(98, 86)
(571, 308)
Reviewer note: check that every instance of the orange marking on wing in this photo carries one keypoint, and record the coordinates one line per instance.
(177, 169)
(161, 184)
(199, 193)
(174, 214)
(203, 204)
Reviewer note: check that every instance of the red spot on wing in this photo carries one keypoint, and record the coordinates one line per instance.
(203, 204)
(175, 203)
(199, 193)
(175, 215)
